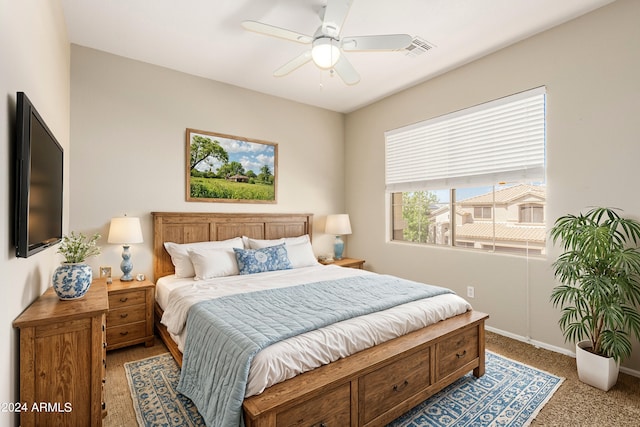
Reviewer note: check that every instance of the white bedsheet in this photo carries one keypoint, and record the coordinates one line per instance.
(302, 353)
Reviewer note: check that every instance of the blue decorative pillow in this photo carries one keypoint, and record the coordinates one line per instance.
(272, 258)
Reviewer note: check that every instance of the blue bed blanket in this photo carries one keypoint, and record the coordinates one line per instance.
(224, 334)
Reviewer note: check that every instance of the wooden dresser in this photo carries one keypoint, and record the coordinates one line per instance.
(130, 317)
(63, 360)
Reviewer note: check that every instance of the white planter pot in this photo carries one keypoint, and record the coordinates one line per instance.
(72, 280)
(597, 371)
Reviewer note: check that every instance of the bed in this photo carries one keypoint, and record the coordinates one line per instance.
(370, 387)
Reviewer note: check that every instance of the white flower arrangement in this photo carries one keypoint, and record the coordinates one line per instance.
(77, 247)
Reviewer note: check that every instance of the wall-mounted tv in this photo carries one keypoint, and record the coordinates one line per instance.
(38, 192)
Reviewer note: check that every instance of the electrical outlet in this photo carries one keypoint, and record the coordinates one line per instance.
(471, 292)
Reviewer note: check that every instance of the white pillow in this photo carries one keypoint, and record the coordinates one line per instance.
(250, 243)
(301, 254)
(209, 263)
(298, 248)
(180, 256)
(259, 244)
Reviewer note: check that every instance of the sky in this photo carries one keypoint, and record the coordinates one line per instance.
(252, 155)
(461, 193)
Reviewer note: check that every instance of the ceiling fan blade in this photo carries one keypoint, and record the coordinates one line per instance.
(345, 70)
(295, 63)
(334, 15)
(382, 42)
(270, 30)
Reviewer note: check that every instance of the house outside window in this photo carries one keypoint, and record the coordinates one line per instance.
(444, 193)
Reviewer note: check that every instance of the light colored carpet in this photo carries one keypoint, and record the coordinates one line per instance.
(509, 394)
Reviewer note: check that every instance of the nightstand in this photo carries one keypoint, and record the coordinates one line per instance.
(130, 315)
(347, 262)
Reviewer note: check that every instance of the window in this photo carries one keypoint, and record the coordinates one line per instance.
(446, 177)
(482, 212)
(533, 213)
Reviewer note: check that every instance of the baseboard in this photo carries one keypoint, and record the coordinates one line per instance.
(539, 344)
(631, 372)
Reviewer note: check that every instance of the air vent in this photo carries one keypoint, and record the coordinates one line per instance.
(418, 46)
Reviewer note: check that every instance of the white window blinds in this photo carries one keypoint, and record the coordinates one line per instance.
(501, 140)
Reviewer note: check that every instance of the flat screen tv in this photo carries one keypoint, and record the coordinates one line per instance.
(38, 192)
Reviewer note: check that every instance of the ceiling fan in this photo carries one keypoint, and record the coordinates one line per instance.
(327, 47)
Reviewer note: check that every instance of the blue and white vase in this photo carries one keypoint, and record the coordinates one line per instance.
(72, 280)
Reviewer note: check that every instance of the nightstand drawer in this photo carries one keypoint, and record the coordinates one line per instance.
(124, 299)
(128, 332)
(128, 314)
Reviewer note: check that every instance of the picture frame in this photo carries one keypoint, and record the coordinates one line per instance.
(228, 168)
(105, 272)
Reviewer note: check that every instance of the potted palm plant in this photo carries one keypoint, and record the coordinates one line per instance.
(600, 291)
(72, 278)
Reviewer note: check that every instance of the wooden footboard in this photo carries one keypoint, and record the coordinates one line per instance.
(374, 386)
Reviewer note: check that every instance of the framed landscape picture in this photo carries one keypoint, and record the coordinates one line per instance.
(226, 168)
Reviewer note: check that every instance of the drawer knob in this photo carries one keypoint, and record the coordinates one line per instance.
(124, 333)
(320, 424)
(124, 299)
(124, 315)
(401, 387)
(461, 355)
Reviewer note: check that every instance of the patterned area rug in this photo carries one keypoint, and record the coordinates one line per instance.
(509, 394)
(153, 383)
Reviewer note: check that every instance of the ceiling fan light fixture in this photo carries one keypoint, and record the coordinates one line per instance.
(325, 52)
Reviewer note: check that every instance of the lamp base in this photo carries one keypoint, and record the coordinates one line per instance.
(126, 265)
(338, 248)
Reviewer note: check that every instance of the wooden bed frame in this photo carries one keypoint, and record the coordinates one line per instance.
(369, 388)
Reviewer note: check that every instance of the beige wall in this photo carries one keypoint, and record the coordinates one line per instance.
(129, 151)
(34, 58)
(590, 67)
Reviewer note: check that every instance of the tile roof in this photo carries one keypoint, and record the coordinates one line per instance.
(504, 232)
(508, 194)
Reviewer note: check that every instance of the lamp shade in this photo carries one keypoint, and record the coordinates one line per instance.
(338, 224)
(125, 230)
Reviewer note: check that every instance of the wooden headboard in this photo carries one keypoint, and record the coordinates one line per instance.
(188, 227)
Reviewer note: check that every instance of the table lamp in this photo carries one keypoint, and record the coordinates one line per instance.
(125, 230)
(338, 225)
